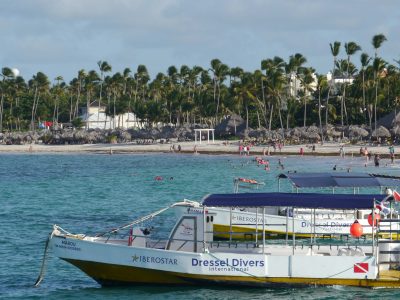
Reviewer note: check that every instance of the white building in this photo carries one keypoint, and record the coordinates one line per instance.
(339, 79)
(97, 118)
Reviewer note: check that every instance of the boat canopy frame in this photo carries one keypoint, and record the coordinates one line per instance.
(340, 180)
(296, 200)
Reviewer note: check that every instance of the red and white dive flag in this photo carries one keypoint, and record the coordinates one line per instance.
(361, 268)
(396, 196)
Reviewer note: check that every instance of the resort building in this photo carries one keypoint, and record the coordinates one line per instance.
(97, 118)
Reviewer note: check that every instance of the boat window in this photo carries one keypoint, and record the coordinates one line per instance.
(208, 219)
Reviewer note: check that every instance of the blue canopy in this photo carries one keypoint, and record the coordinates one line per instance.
(341, 179)
(304, 200)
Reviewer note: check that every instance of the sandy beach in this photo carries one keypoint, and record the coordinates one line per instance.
(218, 147)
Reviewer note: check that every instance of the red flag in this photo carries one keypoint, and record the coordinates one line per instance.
(360, 268)
(396, 196)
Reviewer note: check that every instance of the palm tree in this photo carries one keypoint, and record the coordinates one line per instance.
(6, 73)
(220, 71)
(275, 84)
(351, 48)
(322, 84)
(104, 67)
(307, 79)
(378, 66)
(364, 59)
(90, 82)
(57, 94)
(377, 41)
(335, 49)
(40, 85)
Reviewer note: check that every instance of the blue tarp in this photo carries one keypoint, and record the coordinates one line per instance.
(304, 200)
(340, 179)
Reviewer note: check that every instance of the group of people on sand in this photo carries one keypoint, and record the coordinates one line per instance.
(244, 150)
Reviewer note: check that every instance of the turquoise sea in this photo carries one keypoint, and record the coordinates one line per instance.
(90, 193)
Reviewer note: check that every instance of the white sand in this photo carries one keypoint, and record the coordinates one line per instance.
(188, 147)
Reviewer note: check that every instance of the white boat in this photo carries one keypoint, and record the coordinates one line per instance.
(190, 256)
(242, 222)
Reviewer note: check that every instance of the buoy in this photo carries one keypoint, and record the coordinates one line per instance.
(377, 219)
(158, 178)
(356, 229)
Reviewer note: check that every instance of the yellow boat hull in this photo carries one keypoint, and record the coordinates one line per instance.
(108, 274)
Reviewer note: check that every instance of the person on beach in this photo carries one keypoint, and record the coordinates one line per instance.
(179, 148)
(391, 153)
(341, 151)
(313, 148)
(301, 152)
(240, 149)
(195, 149)
(248, 150)
(376, 160)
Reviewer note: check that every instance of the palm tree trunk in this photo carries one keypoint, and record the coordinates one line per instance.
(327, 106)
(270, 117)
(319, 116)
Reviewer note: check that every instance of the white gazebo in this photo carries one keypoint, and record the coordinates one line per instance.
(200, 131)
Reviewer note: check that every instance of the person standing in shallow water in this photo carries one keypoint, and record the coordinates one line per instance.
(376, 160)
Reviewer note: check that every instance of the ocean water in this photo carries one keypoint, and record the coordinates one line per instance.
(90, 193)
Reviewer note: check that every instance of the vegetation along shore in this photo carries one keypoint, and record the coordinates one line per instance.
(282, 102)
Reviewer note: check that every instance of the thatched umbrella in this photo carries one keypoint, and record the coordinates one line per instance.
(230, 126)
(396, 130)
(357, 132)
(382, 132)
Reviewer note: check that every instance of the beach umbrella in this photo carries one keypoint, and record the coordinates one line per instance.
(357, 132)
(381, 132)
(232, 125)
(396, 130)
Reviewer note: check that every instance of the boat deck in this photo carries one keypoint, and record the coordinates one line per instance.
(389, 275)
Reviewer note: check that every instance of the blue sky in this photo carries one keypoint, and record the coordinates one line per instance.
(60, 37)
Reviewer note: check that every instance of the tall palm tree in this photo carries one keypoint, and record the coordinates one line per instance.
(6, 73)
(307, 79)
(378, 66)
(104, 67)
(322, 84)
(351, 48)
(219, 71)
(57, 94)
(377, 41)
(275, 85)
(40, 85)
(335, 49)
(364, 59)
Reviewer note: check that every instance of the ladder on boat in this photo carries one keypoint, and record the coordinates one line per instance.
(388, 244)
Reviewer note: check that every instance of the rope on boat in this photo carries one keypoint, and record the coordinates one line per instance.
(142, 219)
(43, 267)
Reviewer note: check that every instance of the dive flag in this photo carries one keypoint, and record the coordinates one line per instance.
(396, 196)
(360, 268)
(382, 206)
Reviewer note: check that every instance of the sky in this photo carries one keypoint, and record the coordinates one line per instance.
(61, 37)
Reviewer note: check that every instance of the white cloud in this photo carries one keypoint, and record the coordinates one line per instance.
(61, 37)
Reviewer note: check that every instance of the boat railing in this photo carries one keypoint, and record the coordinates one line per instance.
(389, 243)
